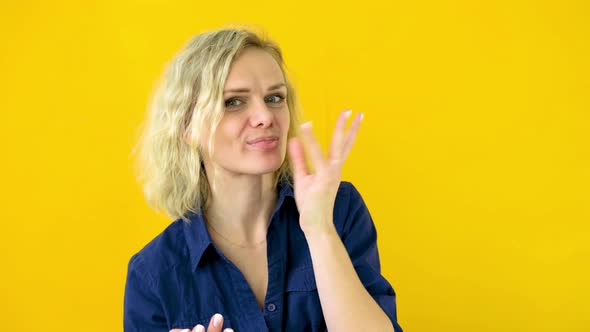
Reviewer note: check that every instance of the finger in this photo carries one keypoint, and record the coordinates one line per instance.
(199, 328)
(315, 153)
(228, 330)
(351, 135)
(297, 156)
(335, 152)
(216, 323)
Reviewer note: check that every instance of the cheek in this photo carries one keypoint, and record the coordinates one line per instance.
(228, 133)
(284, 121)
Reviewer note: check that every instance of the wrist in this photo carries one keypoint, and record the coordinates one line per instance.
(320, 232)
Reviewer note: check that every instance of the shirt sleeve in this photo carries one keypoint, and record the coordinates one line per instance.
(360, 239)
(142, 310)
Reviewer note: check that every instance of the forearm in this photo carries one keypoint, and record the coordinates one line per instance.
(346, 304)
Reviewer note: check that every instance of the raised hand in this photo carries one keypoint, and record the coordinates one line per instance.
(315, 193)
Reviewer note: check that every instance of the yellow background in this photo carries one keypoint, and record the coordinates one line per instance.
(473, 156)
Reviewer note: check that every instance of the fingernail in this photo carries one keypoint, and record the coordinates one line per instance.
(185, 330)
(228, 330)
(362, 116)
(217, 320)
(200, 328)
(348, 113)
(306, 124)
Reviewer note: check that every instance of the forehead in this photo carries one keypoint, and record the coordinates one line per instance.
(253, 67)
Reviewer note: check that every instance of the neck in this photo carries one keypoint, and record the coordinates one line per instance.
(241, 207)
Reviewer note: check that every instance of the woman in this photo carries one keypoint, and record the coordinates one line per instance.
(259, 243)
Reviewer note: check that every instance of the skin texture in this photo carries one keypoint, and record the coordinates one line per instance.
(250, 115)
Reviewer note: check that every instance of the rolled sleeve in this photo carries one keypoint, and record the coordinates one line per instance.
(142, 310)
(360, 239)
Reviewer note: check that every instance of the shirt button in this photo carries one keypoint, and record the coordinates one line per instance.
(271, 307)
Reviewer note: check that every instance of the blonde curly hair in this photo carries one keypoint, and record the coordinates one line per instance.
(189, 96)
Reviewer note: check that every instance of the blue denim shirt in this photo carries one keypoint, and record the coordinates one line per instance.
(180, 278)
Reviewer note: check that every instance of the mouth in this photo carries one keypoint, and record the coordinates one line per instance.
(265, 139)
(265, 143)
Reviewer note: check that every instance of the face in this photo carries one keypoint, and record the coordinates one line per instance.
(252, 135)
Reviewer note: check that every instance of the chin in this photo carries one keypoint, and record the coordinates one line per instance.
(264, 166)
(265, 169)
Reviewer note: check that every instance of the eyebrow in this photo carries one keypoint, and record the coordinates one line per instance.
(272, 87)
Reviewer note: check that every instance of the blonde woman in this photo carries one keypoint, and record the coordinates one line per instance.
(259, 242)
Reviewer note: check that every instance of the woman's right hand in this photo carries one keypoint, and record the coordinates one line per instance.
(215, 325)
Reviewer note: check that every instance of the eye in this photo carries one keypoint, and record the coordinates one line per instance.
(280, 99)
(231, 103)
(227, 102)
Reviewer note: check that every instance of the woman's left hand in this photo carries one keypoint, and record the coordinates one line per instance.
(315, 193)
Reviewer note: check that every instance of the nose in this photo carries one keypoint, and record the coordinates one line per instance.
(261, 115)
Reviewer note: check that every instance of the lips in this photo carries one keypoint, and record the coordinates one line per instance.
(264, 143)
(263, 139)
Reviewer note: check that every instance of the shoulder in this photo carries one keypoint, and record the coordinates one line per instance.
(348, 201)
(160, 254)
(347, 196)
(346, 189)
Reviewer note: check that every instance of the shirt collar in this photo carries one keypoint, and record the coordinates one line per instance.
(196, 233)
